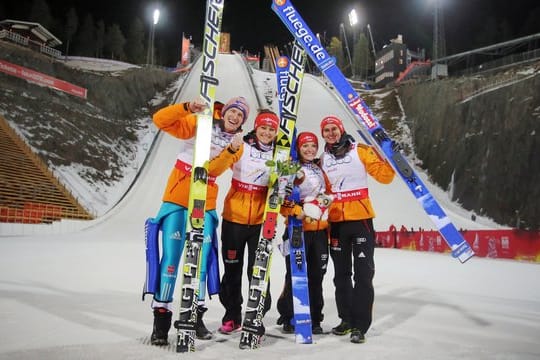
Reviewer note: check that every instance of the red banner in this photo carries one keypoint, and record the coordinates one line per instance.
(505, 244)
(41, 79)
(185, 57)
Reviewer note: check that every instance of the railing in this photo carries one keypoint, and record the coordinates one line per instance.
(22, 40)
(510, 60)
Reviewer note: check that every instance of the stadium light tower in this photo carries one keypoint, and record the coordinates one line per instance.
(353, 21)
(150, 53)
(439, 38)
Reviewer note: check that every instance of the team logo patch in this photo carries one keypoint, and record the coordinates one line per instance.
(283, 61)
(231, 254)
(171, 269)
(334, 242)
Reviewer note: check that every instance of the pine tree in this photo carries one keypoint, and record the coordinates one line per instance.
(85, 37)
(362, 60)
(40, 12)
(134, 48)
(336, 50)
(114, 42)
(100, 39)
(72, 23)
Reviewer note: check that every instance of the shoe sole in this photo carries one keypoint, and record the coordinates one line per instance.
(358, 342)
(229, 332)
(338, 333)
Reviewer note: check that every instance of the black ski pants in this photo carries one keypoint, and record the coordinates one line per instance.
(234, 238)
(316, 246)
(352, 245)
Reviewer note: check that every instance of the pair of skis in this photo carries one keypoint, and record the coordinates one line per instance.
(192, 254)
(326, 64)
(297, 252)
(252, 326)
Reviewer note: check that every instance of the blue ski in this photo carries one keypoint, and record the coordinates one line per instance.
(299, 279)
(392, 151)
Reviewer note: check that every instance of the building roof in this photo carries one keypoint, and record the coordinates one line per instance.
(32, 29)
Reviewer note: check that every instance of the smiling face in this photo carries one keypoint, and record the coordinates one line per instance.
(308, 151)
(265, 134)
(331, 134)
(233, 119)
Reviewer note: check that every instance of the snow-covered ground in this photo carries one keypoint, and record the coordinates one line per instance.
(76, 292)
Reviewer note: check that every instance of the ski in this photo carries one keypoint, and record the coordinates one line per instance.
(391, 150)
(297, 252)
(252, 326)
(187, 319)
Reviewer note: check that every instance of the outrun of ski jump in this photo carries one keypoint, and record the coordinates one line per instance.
(427, 305)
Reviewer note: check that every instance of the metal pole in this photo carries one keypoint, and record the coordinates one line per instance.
(347, 46)
(152, 44)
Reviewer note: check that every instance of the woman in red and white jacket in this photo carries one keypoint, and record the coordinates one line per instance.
(346, 166)
(310, 185)
(243, 212)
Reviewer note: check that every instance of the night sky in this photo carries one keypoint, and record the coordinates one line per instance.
(253, 24)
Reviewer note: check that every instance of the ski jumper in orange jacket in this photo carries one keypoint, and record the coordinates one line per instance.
(179, 121)
(352, 238)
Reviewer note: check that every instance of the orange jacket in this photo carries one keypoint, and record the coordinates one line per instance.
(241, 207)
(178, 121)
(375, 166)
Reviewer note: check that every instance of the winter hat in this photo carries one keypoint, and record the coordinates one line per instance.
(267, 118)
(334, 121)
(305, 137)
(239, 103)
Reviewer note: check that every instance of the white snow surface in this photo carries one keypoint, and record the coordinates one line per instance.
(73, 290)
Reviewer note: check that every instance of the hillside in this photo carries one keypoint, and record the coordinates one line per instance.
(477, 137)
(93, 134)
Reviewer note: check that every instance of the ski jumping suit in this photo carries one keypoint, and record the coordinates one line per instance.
(352, 235)
(178, 121)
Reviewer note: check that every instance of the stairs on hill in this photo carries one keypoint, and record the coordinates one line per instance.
(29, 192)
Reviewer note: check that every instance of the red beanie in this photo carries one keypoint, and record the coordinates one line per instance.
(267, 118)
(334, 121)
(305, 137)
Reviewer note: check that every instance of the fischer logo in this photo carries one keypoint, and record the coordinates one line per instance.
(290, 98)
(364, 115)
(211, 39)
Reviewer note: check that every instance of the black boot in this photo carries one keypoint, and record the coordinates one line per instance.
(162, 324)
(201, 331)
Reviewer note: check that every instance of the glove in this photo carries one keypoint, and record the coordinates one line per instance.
(197, 105)
(285, 186)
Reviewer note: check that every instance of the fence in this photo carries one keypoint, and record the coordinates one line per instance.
(505, 244)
